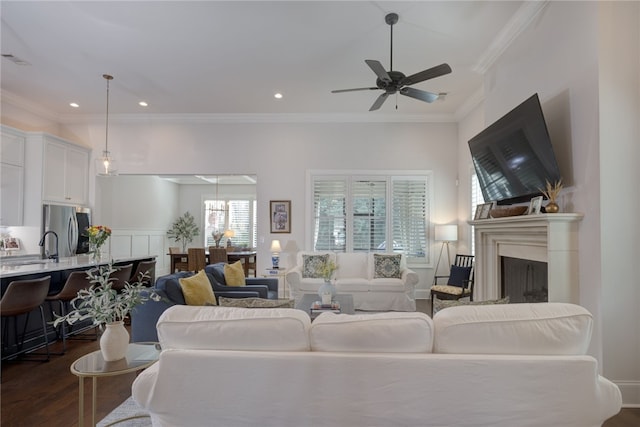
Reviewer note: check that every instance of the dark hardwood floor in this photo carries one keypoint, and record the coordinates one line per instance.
(46, 393)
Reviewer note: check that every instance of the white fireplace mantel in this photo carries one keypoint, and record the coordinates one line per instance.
(550, 238)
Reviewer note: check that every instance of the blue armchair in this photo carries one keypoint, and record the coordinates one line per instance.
(144, 317)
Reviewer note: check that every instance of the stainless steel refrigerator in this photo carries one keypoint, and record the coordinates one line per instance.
(70, 224)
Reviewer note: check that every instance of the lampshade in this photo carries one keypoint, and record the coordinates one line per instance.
(275, 246)
(229, 233)
(447, 233)
(106, 164)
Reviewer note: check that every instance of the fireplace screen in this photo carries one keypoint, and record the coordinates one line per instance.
(524, 280)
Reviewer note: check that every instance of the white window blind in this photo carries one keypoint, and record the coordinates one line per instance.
(329, 214)
(476, 199)
(385, 213)
(237, 215)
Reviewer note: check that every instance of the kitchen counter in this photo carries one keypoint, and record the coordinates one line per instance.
(23, 266)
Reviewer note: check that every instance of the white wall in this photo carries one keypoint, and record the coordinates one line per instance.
(586, 75)
(280, 154)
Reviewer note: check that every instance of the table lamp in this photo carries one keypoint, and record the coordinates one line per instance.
(445, 234)
(229, 234)
(275, 253)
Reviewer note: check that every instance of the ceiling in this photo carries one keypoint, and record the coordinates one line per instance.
(229, 58)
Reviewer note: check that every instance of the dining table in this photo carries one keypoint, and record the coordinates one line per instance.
(247, 258)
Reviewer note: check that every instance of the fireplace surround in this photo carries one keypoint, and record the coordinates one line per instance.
(546, 238)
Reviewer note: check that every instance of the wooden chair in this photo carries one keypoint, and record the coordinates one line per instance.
(149, 269)
(459, 281)
(196, 259)
(217, 255)
(181, 265)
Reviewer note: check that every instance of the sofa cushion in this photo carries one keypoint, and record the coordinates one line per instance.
(256, 302)
(352, 265)
(234, 274)
(534, 329)
(217, 271)
(391, 332)
(197, 289)
(386, 266)
(312, 265)
(459, 276)
(440, 304)
(171, 287)
(233, 328)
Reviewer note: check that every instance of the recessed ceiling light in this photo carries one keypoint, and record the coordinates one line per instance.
(278, 95)
(143, 104)
(74, 104)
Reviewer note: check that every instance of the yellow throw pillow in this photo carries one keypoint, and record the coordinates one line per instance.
(234, 274)
(197, 290)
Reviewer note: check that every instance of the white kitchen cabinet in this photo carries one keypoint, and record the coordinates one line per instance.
(11, 176)
(65, 172)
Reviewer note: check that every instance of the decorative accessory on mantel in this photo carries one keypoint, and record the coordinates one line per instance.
(105, 306)
(445, 234)
(98, 235)
(106, 165)
(551, 192)
(275, 253)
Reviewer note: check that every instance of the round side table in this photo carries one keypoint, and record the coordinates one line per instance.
(139, 356)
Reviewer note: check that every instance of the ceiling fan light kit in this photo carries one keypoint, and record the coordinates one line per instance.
(392, 82)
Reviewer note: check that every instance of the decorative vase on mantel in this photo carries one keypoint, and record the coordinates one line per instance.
(552, 207)
(114, 342)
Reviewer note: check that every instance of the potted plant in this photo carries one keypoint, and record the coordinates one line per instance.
(327, 290)
(108, 308)
(184, 230)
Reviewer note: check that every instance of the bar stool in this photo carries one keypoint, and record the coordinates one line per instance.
(149, 269)
(22, 297)
(120, 276)
(76, 281)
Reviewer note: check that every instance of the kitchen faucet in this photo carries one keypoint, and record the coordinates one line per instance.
(55, 256)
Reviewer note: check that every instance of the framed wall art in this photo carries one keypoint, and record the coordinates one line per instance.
(280, 216)
(535, 205)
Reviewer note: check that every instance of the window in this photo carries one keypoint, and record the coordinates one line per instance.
(367, 213)
(476, 199)
(237, 215)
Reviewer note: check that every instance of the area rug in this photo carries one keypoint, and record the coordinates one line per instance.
(127, 409)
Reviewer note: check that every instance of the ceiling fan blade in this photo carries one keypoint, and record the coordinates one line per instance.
(437, 71)
(351, 90)
(379, 101)
(377, 68)
(422, 95)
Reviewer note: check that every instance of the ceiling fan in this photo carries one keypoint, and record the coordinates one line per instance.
(395, 81)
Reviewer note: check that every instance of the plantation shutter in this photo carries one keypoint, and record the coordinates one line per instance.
(369, 202)
(240, 222)
(329, 214)
(410, 212)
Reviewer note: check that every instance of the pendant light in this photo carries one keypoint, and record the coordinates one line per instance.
(106, 165)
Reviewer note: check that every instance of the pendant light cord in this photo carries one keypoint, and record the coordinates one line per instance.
(106, 132)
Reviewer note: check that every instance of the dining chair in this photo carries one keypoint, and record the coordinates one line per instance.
(217, 255)
(196, 259)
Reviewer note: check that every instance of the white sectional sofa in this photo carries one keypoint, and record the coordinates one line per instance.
(500, 366)
(356, 275)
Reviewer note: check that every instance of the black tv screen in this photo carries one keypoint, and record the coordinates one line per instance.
(513, 157)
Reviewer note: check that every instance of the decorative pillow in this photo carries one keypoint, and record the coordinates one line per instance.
(459, 276)
(439, 304)
(386, 266)
(197, 290)
(312, 266)
(256, 302)
(234, 274)
(217, 271)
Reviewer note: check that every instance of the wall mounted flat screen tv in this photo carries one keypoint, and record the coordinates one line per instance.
(513, 157)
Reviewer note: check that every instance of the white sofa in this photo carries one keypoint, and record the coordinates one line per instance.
(356, 276)
(500, 366)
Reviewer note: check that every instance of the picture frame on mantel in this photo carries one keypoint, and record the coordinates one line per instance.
(482, 211)
(535, 206)
(280, 216)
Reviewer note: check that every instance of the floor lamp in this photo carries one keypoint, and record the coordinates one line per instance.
(445, 234)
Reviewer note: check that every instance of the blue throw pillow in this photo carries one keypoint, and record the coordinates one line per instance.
(217, 271)
(459, 276)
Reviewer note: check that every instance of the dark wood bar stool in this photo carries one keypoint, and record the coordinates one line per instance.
(149, 269)
(76, 281)
(23, 297)
(120, 276)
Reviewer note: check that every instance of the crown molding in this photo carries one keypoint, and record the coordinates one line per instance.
(516, 25)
